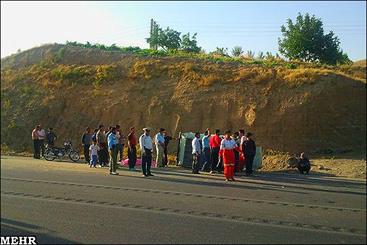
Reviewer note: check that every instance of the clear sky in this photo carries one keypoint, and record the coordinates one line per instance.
(253, 25)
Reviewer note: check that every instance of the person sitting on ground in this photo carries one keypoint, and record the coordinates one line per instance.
(304, 164)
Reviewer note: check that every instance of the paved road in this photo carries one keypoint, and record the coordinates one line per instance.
(71, 203)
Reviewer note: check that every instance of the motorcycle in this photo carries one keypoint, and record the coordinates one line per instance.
(51, 153)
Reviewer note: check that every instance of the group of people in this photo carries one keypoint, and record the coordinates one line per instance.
(104, 147)
(213, 153)
(232, 153)
(39, 136)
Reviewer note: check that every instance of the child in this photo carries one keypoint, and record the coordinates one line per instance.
(93, 149)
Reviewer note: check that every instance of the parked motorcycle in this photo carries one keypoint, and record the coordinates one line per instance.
(51, 153)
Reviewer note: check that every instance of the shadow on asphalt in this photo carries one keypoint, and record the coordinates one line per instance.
(300, 179)
(212, 184)
(43, 236)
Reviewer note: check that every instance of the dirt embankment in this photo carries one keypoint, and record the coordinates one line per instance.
(289, 110)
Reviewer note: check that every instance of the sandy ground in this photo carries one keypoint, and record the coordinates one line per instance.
(339, 166)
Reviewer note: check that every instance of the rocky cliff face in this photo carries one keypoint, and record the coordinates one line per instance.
(303, 109)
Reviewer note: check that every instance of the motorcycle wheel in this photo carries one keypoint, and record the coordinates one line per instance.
(49, 155)
(74, 156)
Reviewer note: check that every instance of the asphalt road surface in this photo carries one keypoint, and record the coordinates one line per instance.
(61, 202)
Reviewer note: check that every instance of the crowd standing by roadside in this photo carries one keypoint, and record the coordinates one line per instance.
(231, 154)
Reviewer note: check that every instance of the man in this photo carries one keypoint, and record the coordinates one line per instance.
(146, 145)
(159, 142)
(304, 164)
(167, 139)
(236, 138)
(87, 141)
(107, 134)
(214, 144)
(132, 149)
(242, 136)
(206, 151)
(249, 151)
(242, 158)
(41, 139)
(36, 151)
(112, 146)
(51, 137)
(121, 142)
(102, 143)
(196, 152)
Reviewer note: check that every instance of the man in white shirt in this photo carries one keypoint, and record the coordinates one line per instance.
(196, 152)
(159, 142)
(41, 137)
(146, 146)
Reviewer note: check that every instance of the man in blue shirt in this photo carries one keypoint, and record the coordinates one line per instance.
(206, 151)
(112, 147)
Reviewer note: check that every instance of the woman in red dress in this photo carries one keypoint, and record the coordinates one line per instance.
(227, 147)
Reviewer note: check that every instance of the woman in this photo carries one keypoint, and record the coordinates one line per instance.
(227, 148)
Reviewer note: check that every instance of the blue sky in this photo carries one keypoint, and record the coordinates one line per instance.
(253, 25)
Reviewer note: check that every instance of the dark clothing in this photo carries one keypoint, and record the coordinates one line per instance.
(42, 146)
(214, 157)
(103, 154)
(237, 160)
(146, 161)
(113, 157)
(304, 165)
(36, 146)
(86, 153)
(120, 150)
(86, 141)
(94, 137)
(220, 166)
(87, 138)
(206, 159)
(132, 156)
(51, 137)
(249, 147)
(249, 151)
(249, 159)
(165, 149)
(195, 163)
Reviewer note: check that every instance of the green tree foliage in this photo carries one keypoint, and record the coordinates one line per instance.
(237, 51)
(169, 39)
(250, 54)
(220, 51)
(305, 40)
(190, 44)
(261, 55)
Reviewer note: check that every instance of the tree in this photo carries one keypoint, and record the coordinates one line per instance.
(153, 40)
(221, 51)
(190, 45)
(261, 55)
(305, 41)
(269, 56)
(250, 54)
(167, 39)
(237, 51)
